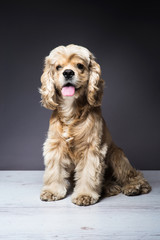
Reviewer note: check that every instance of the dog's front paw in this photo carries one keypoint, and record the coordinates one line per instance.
(48, 195)
(84, 200)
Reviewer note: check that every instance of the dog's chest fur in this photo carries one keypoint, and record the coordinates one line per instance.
(80, 135)
(66, 134)
(76, 132)
(73, 126)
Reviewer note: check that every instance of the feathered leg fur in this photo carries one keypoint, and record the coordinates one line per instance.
(89, 175)
(57, 171)
(125, 178)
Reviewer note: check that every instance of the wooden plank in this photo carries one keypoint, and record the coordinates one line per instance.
(24, 216)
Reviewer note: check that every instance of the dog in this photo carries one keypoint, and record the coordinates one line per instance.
(78, 139)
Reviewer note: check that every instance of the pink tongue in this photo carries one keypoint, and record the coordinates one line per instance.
(68, 91)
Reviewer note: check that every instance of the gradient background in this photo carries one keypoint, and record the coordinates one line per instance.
(126, 42)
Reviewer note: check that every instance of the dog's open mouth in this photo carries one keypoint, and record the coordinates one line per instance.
(68, 90)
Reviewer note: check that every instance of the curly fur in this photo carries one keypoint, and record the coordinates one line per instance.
(78, 139)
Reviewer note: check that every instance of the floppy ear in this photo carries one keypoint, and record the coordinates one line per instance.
(95, 84)
(47, 89)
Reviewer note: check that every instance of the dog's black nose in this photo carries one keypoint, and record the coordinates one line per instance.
(68, 73)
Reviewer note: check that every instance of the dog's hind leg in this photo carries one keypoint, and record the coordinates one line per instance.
(131, 181)
(111, 188)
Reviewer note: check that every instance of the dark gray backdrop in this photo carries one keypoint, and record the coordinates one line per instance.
(126, 42)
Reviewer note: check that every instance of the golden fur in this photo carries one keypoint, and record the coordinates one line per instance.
(78, 139)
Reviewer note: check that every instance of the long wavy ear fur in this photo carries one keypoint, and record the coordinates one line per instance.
(95, 84)
(47, 89)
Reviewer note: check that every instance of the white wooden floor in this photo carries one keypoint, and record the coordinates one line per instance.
(23, 216)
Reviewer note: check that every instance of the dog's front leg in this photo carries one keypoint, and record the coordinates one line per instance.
(89, 174)
(57, 171)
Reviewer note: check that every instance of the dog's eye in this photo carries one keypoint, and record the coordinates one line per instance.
(80, 66)
(58, 67)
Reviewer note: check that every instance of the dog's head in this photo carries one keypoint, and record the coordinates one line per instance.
(71, 71)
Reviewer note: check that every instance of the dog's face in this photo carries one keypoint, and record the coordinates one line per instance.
(72, 72)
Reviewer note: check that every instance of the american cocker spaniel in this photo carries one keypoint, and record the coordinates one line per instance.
(78, 139)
